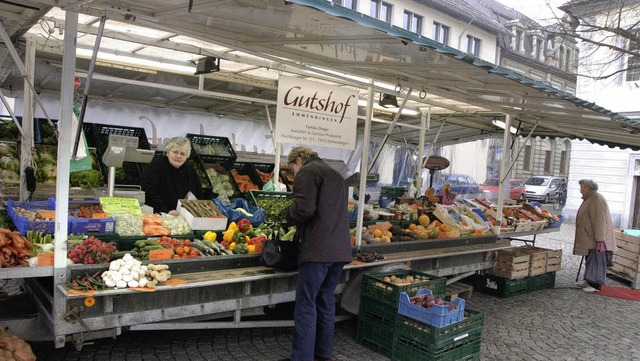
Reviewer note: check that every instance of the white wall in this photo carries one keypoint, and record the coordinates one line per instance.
(610, 168)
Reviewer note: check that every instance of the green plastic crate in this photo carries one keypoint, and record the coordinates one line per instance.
(383, 313)
(404, 350)
(386, 292)
(504, 287)
(375, 336)
(432, 338)
(543, 281)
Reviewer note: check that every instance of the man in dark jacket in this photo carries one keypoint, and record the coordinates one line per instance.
(319, 211)
(169, 178)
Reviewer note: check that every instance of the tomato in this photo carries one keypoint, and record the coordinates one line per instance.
(178, 250)
(187, 242)
(186, 249)
(194, 253)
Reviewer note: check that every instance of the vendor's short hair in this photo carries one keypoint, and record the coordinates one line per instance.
(178, 142)
(589, 184)
(303, 152)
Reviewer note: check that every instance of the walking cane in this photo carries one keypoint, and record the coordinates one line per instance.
(579, 268)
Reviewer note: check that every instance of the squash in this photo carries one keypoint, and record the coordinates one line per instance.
(424, 220)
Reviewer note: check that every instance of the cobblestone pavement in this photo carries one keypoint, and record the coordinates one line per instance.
(563, 323)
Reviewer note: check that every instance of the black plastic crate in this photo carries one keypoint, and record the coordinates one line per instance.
(102, 132)
(220, 167)
(244, 169)
(213, 149)
(264, 171)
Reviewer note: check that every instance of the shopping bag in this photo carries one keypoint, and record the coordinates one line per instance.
(281, 254)
(596, 265)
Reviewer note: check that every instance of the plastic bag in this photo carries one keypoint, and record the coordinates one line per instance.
(596, 265)
(254, 214)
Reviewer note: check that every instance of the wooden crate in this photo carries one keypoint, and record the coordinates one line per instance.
(537, 260)
(458, 289)
(512, 264)
(626, 260)
(553, 261)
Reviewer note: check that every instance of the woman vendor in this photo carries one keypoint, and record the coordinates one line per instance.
(169, 178)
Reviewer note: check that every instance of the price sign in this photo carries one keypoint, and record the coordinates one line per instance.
(45, 259)
(159, 255)
(115, 205)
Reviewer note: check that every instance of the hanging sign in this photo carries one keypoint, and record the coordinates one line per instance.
(312, 113)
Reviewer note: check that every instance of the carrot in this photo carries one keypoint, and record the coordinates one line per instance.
(3, 240)
(4, 230)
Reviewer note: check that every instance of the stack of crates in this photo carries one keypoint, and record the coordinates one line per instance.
(416, 340)
(379, 305)
(522, 270)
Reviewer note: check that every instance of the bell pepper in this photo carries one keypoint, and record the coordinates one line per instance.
(244, 225)
(257, 240)
(233, 226)
(232, 246)
(210, 236)
(240, 249)
(228, 235)
(251, 248)
(239, 237)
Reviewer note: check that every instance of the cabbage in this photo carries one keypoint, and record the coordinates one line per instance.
(9, 176)
(10, 163)
(8, 150)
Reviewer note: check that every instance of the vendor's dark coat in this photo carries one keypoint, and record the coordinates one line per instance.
(319, 209)
(164, 184)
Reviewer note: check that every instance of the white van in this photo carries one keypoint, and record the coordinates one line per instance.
(542, 188)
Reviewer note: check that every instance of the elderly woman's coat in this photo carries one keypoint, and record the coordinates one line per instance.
(593, 224)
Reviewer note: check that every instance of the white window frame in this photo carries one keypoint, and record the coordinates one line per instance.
(349, 4)
(474, 45)
(441, 33)
(412, 22)
(376, 10)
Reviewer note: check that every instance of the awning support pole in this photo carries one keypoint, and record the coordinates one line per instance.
(87, 85)
(23, 71)
(276, 147)
(391, 126)
(513, 161)
(420, 162)
(62, 175)
(363, 167)
(503, 171)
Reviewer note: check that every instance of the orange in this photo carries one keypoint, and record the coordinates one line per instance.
(377, 233)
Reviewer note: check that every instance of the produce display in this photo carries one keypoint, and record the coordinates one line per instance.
(15, 249)
(91, 251)
(243, 181)
(220, 180)
(370, 257)
(9, 163)
(428, 300)
(127, 272)
(217, 149)
(273, 206)
(13, 348)
(200, 208)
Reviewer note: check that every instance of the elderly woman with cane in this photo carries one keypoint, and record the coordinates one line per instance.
(594, 234)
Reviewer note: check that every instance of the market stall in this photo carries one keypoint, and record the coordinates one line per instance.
(223, 286)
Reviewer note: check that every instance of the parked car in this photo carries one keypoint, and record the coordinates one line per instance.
(460, 183)
(516, 187)
(542, 188)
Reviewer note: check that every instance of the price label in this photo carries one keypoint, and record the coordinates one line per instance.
(46, 214)
(45, 259)
(159, 255)
(115, 205)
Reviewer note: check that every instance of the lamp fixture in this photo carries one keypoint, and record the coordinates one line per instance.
(388, 101)
(207, 65)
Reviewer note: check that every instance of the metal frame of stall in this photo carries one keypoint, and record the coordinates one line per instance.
(230, 293)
